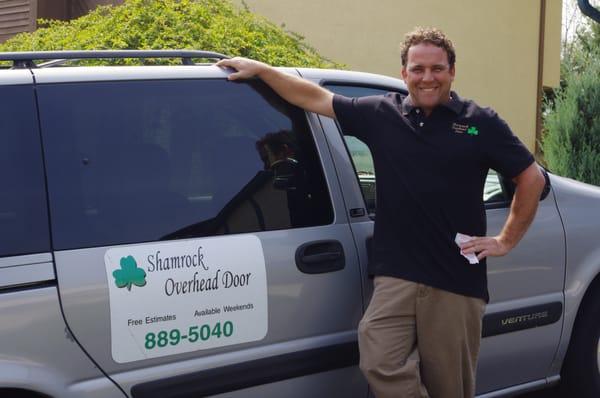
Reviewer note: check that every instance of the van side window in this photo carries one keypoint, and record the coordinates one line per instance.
(360, 153)
(155, 160)
(493, 191)
(23, 207)
(365, 170)
(358, 150)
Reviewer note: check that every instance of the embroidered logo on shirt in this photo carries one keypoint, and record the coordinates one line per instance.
(460, 128)
(473, 131)
(464, 128)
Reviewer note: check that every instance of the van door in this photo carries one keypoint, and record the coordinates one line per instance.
(523, 321)
(201, 242)
(36, 353)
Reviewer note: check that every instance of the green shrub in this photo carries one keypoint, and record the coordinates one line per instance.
(571, 143)
(211, 25)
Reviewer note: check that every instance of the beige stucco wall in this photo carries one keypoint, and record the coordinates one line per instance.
(496, 40)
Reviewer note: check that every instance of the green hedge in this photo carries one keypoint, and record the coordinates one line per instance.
(571, 143)
(211, 25)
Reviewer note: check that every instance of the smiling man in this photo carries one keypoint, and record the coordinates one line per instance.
(432, 150)
(429, 72)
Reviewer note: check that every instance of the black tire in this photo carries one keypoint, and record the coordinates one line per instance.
(580, 372)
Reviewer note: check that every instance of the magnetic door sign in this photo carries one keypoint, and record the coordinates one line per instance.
(183, 296)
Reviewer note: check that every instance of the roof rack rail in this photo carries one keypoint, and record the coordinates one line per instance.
(26, 59)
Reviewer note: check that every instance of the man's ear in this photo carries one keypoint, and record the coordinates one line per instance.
(403, 73)
(452, 72)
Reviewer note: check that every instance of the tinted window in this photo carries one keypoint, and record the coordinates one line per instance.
(23, 208)
(150, 160)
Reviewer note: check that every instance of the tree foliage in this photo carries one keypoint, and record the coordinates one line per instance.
(211, 25)
(572, 140)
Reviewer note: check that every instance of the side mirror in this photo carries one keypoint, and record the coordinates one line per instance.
(547, 186)
(285, 173)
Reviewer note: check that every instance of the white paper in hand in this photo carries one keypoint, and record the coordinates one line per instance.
(462, 238)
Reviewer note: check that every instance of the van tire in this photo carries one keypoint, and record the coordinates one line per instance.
(580, 372)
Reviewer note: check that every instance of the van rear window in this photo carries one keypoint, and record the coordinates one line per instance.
(139, 161)
(23, 207)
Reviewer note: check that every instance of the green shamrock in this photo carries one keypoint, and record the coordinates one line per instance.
(129, 274)
(473, 131)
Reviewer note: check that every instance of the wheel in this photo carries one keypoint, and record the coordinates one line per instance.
(581, 370)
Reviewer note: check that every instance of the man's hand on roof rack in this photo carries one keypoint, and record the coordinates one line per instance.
(245, 68)
(297, 91)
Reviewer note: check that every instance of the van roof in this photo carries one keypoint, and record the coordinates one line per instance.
(55, 69)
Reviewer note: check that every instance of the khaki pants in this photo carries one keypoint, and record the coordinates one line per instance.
(418, 341)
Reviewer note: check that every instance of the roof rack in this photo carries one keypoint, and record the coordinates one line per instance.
(24, 60)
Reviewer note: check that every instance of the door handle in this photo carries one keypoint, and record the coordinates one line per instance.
(320, 256)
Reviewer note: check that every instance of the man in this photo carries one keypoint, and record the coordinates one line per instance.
(421, 333)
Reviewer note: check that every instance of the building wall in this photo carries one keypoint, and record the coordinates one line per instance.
(54, 9)
(69, 9)
(82, 7)
(497, 43)
(16, 16)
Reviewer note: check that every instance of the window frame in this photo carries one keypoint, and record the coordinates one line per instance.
(301, 114)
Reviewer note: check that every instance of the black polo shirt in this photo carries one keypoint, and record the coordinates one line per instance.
(430, 174)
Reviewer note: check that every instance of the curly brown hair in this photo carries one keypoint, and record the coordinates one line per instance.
(427, 35)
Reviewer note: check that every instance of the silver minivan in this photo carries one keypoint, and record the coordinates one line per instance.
(165, 232)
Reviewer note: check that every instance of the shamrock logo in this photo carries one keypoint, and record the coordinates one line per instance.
(129, 274)
(473, 131)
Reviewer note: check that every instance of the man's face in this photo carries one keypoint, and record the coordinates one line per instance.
(428, 76)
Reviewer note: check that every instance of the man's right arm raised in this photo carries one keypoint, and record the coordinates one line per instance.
(293, 89)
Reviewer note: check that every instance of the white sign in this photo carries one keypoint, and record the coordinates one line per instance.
(182, 296)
